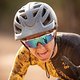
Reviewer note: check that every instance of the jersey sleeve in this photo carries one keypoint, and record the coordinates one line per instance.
(21, 64)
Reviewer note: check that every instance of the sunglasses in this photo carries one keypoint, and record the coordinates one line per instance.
(42, 39)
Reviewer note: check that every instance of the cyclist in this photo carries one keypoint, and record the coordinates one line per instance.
(35, 25)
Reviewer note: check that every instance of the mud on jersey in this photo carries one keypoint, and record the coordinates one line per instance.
(68, 45)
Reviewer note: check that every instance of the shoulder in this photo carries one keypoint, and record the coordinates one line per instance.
(68, 35)
(69, 46)
(71, 38)
(23, 50)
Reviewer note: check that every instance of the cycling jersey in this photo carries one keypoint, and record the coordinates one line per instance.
(68, 47)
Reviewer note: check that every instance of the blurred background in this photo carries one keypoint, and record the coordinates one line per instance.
(68, 14)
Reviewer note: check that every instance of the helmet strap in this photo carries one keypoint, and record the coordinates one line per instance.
(54, 47)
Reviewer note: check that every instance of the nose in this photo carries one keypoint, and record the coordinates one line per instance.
(40, 46)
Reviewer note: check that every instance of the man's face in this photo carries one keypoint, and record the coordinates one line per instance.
(43, 52)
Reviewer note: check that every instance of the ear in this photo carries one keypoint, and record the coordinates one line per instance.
(54, 33)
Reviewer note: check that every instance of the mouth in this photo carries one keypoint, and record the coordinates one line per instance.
(43, 55)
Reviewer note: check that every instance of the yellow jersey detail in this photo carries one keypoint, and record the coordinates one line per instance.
(23, 60)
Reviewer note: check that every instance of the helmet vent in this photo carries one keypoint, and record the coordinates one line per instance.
(23, 16)
(18, 30)
(47, 21)
(17, 19)
(36, 6)
(22, 11)
(34, 14)
(43, 12)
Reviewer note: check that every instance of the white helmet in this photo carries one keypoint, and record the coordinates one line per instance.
(33, 18)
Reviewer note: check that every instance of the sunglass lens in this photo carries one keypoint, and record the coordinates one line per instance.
(31, 43)
(43, 40)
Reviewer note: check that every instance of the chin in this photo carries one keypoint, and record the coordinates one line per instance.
(44, 60)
